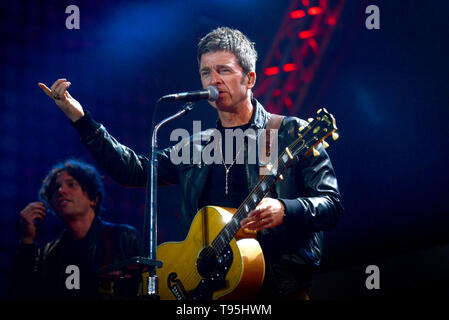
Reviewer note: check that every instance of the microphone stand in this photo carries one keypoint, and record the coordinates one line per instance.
(135, 266)
(152, 287)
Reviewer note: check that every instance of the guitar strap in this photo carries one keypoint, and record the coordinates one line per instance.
(274, 123)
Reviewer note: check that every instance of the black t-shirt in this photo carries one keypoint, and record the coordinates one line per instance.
(214, 191)
(61, 279)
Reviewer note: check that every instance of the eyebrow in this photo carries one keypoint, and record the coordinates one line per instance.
(67, 180)
(217, 66)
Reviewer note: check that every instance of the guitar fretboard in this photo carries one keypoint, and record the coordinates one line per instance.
(250, 203)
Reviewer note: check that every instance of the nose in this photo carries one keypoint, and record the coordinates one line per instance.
(216, 78)
(61, 190)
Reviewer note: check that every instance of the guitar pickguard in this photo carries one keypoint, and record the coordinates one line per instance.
(216, 278)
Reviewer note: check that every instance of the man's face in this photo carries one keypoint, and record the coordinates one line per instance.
(69, 199)
(222, 70)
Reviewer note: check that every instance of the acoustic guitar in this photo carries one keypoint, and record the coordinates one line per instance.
(219, 260)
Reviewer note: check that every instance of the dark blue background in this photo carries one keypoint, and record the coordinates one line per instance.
(387, 88)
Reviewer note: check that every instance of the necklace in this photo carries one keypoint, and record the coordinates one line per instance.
(228, 168)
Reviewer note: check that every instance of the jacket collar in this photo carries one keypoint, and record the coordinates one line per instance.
(94, 230)
(259, 118)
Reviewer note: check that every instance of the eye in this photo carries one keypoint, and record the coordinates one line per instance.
(72, 184)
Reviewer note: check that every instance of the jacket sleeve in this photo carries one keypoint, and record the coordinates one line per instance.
(120, 162)
(318, 205)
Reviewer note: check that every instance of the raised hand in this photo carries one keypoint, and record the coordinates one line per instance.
(58, 92)
(33, 211)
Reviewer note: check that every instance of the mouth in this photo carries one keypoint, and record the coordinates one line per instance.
(63, 202)
(221, 90)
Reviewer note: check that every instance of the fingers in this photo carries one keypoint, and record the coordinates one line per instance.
(57, 83)
(60, 89)
(29, 214)
(46, 89)
(57, 90)
(263, 222)
(34, 205)
(32, 211)
(258, 219)
(269, 213)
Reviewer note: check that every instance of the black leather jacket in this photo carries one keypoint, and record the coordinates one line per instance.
(40, 273)
(309, 192)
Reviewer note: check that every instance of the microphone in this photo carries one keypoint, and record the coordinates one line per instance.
(210, 93)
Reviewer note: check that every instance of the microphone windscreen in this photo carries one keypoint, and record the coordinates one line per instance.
(213, 93)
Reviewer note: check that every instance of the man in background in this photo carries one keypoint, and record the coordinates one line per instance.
(67, 267)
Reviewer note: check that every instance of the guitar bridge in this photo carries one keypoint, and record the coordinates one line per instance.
(176, 287)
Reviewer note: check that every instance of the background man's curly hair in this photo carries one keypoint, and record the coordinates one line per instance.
(232, 40)
(86, 175)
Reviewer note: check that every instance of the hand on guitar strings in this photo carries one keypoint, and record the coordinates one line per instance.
(269, 213)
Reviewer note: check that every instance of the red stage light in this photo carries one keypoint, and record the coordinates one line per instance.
(277, 92)
(271, 71)
(314, 45)
(305, 34)
(331, 21)
(314, 11)
(288, 102)
(289, 67)
(297, 14)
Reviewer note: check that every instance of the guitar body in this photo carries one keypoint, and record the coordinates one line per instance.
(192, 270)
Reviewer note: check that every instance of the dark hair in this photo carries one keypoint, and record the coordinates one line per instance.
(85, 174)
(232, 40)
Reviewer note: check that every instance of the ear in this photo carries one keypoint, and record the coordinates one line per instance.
(93, 203)
(251, 79)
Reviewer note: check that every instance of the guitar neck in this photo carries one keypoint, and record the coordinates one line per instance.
(257, 194)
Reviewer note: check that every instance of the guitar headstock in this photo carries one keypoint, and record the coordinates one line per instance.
(316, 132)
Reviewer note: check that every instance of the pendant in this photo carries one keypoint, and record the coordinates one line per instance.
(226, 184)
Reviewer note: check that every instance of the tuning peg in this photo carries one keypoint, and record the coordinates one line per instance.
(335, 135)
(310, 119)
(315, 152)
(319, 111)
(325, 144)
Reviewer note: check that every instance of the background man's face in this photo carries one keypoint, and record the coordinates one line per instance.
(69, 199)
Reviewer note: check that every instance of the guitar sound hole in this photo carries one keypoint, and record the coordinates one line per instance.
(207, 262)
